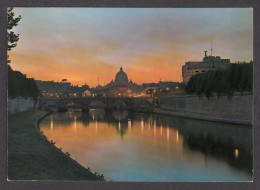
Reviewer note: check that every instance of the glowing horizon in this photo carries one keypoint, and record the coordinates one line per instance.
(82, 44)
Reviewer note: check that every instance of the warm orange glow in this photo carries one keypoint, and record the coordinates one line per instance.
(151, 47)
(129, 124)
(142, 126)
(154, 128)
(168, 134)
(51, 124)
(236, 153)
(75, 123)
(157, 68)
(177, 136)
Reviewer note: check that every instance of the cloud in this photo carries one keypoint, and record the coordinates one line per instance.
(82, 44)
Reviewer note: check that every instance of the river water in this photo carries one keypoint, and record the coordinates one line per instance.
(132, 146)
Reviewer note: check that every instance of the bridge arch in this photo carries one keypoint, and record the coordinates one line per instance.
(119, 104)
(97, 104)
(71, 104)
(49, 104)
(142, 103)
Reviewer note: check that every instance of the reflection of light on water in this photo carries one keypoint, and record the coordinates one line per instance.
(75, 122)
(177, 135)
(96, 126)
(149, 125)
(236, 153)
(93, 117)
(51, 124)
(129, 123)
(119, 125)
(154, 128)
(168, 134)
(161, 130)
(142, 126)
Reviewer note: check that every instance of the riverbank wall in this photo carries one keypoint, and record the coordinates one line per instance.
(32, 157)
(238, 109)
(20, 104)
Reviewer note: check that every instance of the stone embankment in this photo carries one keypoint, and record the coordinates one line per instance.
(32, 157)
(238, 109)
(20, 104)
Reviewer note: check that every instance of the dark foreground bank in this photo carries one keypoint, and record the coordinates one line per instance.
(31, 157)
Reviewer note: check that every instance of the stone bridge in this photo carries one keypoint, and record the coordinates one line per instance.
(85, 103)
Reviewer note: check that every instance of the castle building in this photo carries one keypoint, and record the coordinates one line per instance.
(208, 63)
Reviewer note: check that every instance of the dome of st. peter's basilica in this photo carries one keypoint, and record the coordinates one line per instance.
(121, 78)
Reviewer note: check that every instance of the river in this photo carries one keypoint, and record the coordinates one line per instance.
(133, 146)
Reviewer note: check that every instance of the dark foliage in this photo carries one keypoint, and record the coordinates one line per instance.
(12, 38)
(12, 22)
(237, 78)
(19, 85)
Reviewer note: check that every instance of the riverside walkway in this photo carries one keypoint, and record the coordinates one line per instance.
(32, 157)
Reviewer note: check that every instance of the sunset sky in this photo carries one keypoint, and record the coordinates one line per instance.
(82, 44)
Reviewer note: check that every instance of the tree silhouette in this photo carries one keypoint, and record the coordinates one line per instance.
(12, 38)
(237, 78)
(18, 83)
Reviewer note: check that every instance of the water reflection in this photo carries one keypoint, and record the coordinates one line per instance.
(153, 147)
(177, 135)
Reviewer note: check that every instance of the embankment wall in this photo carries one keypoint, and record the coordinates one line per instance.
(239, 106)
(20, 104)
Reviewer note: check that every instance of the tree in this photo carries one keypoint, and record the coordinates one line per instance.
(18, 83)
(237, 78)
(12, 38)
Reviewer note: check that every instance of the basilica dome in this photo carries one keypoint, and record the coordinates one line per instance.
(121, 78)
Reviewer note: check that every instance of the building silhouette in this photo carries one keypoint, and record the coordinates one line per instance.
(208, 63)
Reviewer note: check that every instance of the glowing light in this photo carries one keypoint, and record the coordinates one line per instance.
(168, 134)
(51, 123)
(129, 123)
(177, 135)
(142, 126)
(154, 128)
(119, 126)
(96, 127)
(93, 116)
(236, 153)
(161, 130)
(75, 123)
